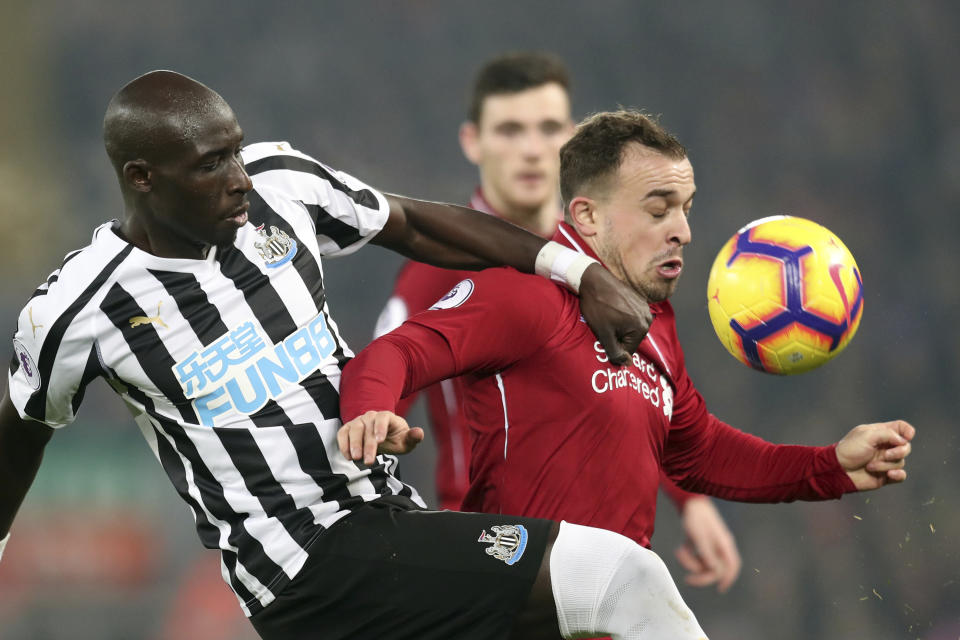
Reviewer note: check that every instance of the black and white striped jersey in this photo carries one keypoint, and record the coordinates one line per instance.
(229, 364)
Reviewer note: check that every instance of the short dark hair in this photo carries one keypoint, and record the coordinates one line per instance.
(595, 151)
(513, 73)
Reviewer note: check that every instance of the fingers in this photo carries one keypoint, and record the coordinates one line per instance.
(698, 573)
(896, 475)
(708, 556)
(413, 437)
(897, 453)
(904, 428)
(730, 562)
(616, 314)
(362, 437)
(617, 353)
(374, 432)
(688, 559)
(884, 435)
(887, 459)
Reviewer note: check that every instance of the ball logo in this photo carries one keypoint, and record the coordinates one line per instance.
(838, 283)
(27, 366)
(456, 297)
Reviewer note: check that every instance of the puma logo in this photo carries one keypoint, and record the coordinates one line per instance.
(834, 271)
(136, 321)
(32, 323)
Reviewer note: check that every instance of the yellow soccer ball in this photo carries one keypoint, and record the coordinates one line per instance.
(785, 295)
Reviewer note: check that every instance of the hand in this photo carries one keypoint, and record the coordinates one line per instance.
(873, 454)
(377, 432)
(710, 552)
(618, 316)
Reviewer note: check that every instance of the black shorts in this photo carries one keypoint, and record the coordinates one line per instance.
(388, 571)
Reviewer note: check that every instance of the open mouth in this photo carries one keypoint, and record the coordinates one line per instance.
(530, 178)
(239, 215)
(670, 268)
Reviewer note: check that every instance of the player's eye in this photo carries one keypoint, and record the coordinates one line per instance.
(551, 127)
(509, 129)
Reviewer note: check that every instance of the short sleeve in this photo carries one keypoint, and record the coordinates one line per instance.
(53, 358)
(346, 213)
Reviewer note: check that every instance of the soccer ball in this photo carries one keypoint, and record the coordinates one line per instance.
(784, 295)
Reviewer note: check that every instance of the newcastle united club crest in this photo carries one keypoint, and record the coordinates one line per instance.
(277, 248)
(509, 542)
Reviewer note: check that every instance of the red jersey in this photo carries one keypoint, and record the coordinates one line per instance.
(560, 432)
(418, 286)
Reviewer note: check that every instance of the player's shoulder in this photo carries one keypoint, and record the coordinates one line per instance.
(260, 157)
(418, 282)
(82, 271)
(508, 278)
(278, 168)
(256, 151)
(507, 288)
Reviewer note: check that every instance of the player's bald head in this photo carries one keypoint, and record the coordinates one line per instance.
(155, 113)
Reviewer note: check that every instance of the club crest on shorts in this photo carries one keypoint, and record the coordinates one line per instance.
(277, 248)
(509, 542)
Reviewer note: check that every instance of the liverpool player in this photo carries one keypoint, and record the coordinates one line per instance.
(560, 431)
(518, 118)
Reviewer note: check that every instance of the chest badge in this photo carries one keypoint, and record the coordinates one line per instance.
(276, 248)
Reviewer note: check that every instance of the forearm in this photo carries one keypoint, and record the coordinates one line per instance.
(451, 236)
(16, 476)
(391, 367)
(733, 465)
(21, 450)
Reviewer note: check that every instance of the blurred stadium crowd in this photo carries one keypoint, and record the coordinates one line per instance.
(845, 113)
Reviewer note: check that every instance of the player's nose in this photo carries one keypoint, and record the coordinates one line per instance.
(239, 180)
(680, 230)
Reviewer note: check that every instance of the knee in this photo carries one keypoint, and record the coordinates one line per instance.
(605, 583)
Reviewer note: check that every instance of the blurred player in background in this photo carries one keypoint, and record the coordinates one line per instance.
(519, 117)
(560, 431)
(204, 309)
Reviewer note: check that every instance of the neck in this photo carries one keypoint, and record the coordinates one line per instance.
(542, 219)
(133, 230)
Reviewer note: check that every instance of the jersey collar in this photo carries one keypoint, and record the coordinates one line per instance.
(479, 202)
(568, 237)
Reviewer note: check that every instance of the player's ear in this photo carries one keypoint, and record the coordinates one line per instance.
(137, 176)
(584, 215)
(469, 141)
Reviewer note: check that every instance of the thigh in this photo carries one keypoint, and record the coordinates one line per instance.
(385, 572)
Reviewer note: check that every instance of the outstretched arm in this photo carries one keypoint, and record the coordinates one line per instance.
(455, 237)
(719, 460)
(21, 449)
(450, 236)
